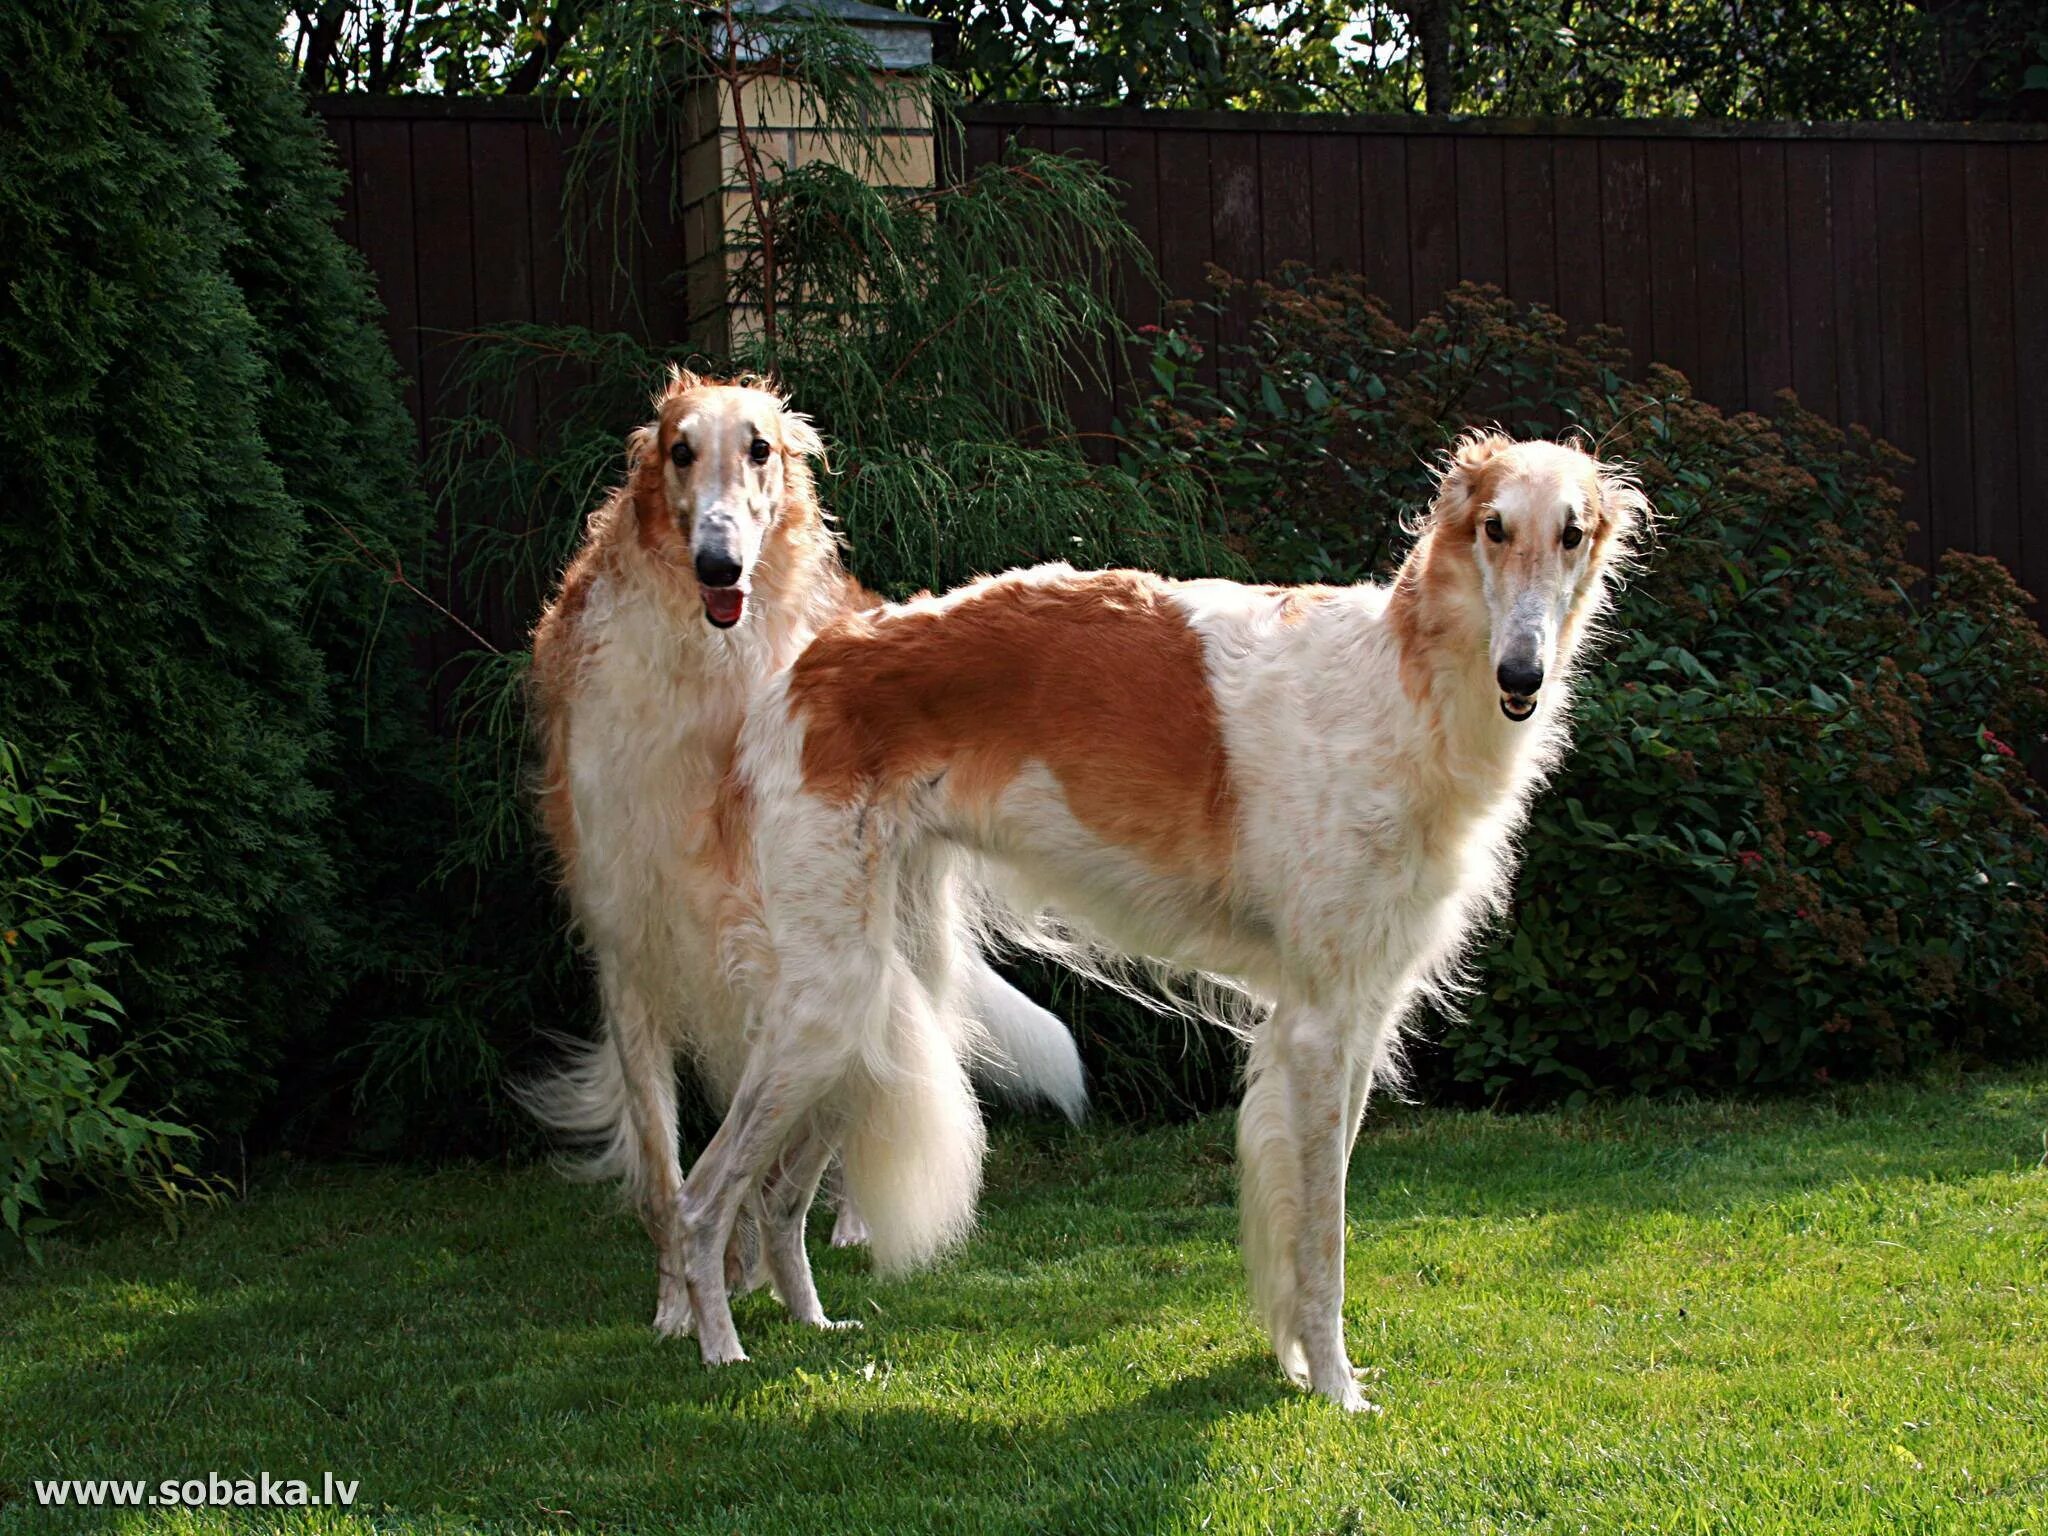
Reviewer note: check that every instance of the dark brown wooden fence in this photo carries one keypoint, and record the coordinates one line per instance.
(1889, 273)
(457, 206)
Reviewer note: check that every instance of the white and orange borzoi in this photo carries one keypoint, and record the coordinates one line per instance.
(704, 574)
(1313, 792)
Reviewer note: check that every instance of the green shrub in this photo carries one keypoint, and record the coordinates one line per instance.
(151, 565)
(335, 425)
(61, 1119)
(1795, 840)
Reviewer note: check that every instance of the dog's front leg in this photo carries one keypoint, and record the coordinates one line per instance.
(642, 1095)
(1325, 1090)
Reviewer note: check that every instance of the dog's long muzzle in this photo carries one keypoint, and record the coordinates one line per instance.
(721, 576)
(1520, 674)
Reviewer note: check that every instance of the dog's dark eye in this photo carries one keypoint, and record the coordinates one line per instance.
(760, 451)
(1494, 530)
(1572, 534)
(681, 455)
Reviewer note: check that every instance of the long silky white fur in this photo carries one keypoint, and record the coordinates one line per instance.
(654, 700)
(914, 1153)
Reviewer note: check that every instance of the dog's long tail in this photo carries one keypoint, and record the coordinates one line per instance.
(1269, 1198)
(587, 1102)
(913, 1153)
(1026, 1053)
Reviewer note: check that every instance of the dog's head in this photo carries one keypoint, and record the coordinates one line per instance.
(1546, 525)
(715, 471)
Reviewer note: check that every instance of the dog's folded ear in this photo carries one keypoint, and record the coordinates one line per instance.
(1623, 505)
(1472, 452)
(641, 444)
(799, 435)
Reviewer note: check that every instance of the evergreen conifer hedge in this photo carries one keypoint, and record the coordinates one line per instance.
(194, 405)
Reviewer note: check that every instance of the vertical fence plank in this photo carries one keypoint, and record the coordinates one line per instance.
(1944, 214)
(446, 224)
(1529, 211)
(1625, 243)
(1902, 327)
(384, 230)
(664, 290)
(1674, 286)
(499, 192)
(1581, 281)
(554, 302)
(1994, 429)
(1235, 216)
(1185, 228)
(985, 143)
(1432, 220)
(2029, 177)
(1286, 201)
(1383, 222)
(1810, 275)
(1131, 156)
(1767, 305)
(1482, 236)
(1333, 200)
(504, 242)
(1859, 371)
(1717, 242)
(1089, 403)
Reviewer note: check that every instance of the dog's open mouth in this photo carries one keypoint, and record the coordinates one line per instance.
(1516, 706)
(724, 605)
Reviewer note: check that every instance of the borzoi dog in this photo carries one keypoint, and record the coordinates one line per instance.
(704, 574)
(1311, 791)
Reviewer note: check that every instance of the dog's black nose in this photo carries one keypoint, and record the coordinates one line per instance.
(716, 568)
(1520, 678)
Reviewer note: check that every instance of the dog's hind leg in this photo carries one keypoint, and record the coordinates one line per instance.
(805, 1059)
(786, 1202)
(849, 1227)
(1269, 1195)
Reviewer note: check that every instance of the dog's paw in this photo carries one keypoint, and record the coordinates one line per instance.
(839, 1324)
(1349, 1396)
(673, 1319)
(849, 1231)
(727, 1354)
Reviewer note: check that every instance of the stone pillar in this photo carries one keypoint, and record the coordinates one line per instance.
(783, 132)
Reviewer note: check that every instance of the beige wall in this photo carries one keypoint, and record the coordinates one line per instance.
(783, 133)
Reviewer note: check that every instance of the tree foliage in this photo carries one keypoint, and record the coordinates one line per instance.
(1930, 59)
(150, 559)
(198, 423)
(335, 425)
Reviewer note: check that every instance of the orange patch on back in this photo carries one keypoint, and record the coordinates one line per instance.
(1097, 676)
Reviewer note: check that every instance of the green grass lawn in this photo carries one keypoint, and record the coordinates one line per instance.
(1828, 1315)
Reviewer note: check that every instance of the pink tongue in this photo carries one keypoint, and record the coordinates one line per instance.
(724, 604)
